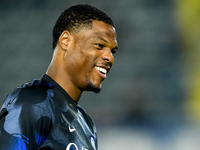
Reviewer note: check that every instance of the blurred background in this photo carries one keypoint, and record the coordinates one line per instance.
(151, 98)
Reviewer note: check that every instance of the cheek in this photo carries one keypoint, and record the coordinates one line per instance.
(76, 57)
(83, 57)
(89, 57)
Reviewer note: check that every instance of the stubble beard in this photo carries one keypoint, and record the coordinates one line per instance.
(92, 87)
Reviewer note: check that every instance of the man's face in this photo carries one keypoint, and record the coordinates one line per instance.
(91, 56)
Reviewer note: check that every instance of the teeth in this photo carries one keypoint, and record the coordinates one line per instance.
(104, 71)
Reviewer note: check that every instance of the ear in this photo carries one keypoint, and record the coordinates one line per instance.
(64, 39)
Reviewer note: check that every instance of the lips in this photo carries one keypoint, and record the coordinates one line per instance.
(102, 71)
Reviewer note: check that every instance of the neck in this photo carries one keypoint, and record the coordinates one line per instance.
(73, 92)
(57, 73)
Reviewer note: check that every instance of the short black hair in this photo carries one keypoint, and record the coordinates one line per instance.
(76, 17)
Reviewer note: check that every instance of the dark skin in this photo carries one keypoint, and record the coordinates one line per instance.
(82, 60)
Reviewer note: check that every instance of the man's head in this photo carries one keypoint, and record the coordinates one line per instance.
(85, 42)
(77, 17)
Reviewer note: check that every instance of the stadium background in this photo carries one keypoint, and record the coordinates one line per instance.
(151, 98)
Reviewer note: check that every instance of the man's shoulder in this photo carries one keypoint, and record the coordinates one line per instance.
(32, 92)
(33, 100)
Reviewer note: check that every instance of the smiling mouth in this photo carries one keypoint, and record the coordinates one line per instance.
(102, 71)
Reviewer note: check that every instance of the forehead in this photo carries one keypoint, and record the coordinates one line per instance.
(100, 31)
(103, 31)
(100, 27)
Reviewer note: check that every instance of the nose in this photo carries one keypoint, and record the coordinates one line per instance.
(108, 56)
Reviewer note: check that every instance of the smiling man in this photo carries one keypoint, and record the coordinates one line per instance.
(44, 113)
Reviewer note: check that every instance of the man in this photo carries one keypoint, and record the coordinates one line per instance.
(44, 113)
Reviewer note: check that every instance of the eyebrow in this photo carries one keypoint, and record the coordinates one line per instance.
(106, 42)
(101, 39)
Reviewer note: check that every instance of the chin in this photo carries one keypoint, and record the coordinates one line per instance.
(92, 85)
(96, 88)
(93, 88)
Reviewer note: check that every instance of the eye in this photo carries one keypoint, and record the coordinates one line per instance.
(99, 46)
(113, 51)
